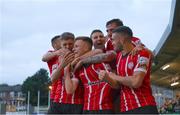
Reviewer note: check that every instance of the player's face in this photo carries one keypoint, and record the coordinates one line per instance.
(67, 44)
(117, 41)
(110, 28)
(57, 44)
(80, 48)
(98, 40)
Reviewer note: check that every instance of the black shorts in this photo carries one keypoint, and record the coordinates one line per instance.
(143, 110)
(98, 112)
(50, 109)
(116, 100)
(60, 108)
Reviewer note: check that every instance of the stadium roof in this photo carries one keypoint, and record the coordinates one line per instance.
(166, 67)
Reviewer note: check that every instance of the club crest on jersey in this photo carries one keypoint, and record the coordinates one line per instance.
(143, 61)
(130, 65)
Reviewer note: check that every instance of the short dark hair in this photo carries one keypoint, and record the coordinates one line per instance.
(116, 20)
(55, 38)
(124, 30)
(85, 39)
(67, 36)
(94, 31)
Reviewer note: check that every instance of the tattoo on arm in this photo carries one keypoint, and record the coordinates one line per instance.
(95, 59)
(99, 58)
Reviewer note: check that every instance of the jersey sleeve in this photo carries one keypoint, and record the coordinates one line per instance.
(143, 62)
(109, 45)
(50, 62)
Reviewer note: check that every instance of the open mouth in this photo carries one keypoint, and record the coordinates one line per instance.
(99, 43)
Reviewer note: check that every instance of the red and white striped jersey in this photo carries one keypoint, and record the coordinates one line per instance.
(50, 66)
(61, 95)
(51, 62)
(97, 94)
(109, 45)
(132, 98)
(136, 41)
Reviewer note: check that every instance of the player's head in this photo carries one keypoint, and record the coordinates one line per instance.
(121, 36)
(82, 45)
(98, 39)
(56, 42)
(67, 40)
(111, 25)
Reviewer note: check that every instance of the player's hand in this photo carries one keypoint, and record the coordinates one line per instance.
(103, 75)
(66, 59)
(74, 62)
(61, 52)
(112, 75)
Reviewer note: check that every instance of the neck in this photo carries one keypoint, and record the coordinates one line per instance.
(128, 47)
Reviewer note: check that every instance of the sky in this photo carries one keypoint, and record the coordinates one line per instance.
(27, 26)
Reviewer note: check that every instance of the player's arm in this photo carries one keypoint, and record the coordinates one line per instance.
(140, 46)
(99, 58)
(63, 62)
(56, 73)
(77, 61)
(106, 76)
(71, 83)
(48, 56)
(135, 81)
(114, 80)
(91, 53)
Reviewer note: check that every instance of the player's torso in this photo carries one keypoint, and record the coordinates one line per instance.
(97, 95)
(61, 95)
(133, 97)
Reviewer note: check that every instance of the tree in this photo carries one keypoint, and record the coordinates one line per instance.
(39, 81)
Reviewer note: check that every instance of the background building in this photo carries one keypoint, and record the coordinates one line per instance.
(12, 96)
(165, 75)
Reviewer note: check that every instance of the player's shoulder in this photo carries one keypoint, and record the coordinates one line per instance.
(144, 52)
(135, 38)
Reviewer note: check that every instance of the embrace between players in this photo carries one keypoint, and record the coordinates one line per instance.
(114, 77)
